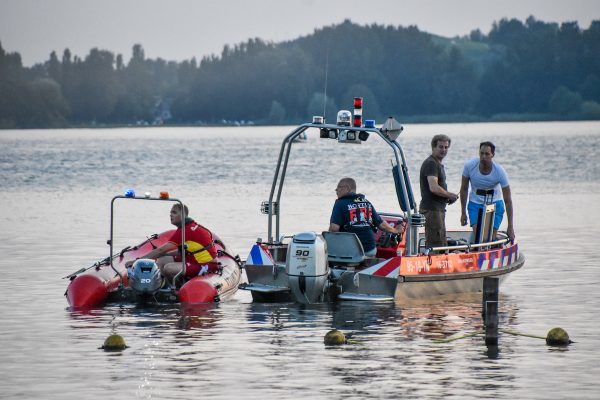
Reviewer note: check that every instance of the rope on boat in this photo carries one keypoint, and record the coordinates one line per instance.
(106, 261)
(235, 258)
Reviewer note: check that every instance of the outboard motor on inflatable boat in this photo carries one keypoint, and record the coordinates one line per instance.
(144, 277)
(307, 267)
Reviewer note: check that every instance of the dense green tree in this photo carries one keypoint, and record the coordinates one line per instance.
(276, 113)
(54, 68)
(96, 91)
(455, 89)
(11, 88)
(137, 89)
(590, 88)
(565, 102)
(45, 105)
(28, 103)
(539, 57)
(590, 110)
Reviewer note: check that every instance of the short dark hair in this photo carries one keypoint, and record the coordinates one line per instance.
(440, 138)
(185, 209)
(491, 146)
(350, 182)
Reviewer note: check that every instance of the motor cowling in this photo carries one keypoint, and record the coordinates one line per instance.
(307, 267)
(144, 276)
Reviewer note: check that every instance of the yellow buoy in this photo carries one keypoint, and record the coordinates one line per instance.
(114, 342)
(334, 337)
(557, 337)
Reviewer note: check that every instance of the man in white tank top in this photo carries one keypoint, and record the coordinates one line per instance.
(485, 175)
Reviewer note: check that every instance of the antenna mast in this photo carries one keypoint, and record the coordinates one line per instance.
(325, 89)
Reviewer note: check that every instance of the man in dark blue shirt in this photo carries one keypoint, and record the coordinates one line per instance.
(352, 212)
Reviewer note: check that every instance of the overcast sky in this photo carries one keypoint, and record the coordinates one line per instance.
(181, 29)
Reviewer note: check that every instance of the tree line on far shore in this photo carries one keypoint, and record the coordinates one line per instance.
(530, 70)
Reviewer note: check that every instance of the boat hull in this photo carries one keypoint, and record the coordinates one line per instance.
(428, 286)
(396, 278)
(101, 284)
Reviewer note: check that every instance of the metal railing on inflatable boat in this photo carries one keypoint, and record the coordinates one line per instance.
(131, 196)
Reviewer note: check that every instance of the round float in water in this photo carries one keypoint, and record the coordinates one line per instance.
(334, 337)
(114, 342)
(557, 337)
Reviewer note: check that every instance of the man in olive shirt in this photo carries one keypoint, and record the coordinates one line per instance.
(434, 193)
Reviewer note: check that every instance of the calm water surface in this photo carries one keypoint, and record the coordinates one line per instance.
(55, 192)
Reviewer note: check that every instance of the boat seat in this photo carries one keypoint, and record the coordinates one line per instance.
(344, 248)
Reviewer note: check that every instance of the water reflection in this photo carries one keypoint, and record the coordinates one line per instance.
(198, 316)
(150, 316)
(440, 318)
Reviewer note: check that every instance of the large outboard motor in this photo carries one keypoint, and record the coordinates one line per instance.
(307, 267)
(144, 277)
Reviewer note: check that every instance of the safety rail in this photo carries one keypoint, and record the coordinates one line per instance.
(403, 189)
(133, 197)
(468, 247)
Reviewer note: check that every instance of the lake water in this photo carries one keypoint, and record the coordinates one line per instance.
(55, 193)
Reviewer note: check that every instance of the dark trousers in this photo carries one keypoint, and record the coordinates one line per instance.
(435, 228)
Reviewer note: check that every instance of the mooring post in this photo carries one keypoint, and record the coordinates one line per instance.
(490, 309)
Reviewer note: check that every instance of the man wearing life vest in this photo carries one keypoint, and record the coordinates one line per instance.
(352, 212)
(199, 252)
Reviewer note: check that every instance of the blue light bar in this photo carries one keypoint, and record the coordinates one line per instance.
(130, 193)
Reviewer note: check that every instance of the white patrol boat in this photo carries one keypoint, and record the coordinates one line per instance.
(309, 267)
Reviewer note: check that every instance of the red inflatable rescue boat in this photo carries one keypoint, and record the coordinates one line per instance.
(109, 281)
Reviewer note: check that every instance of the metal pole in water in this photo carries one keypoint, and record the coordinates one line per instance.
(490, 309)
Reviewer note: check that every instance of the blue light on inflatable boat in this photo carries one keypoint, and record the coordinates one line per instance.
(369, 123)
(130, 193)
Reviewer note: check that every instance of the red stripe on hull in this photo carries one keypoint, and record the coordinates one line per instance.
(391, 265)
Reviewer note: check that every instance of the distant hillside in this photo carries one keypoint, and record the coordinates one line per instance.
(518, 71)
